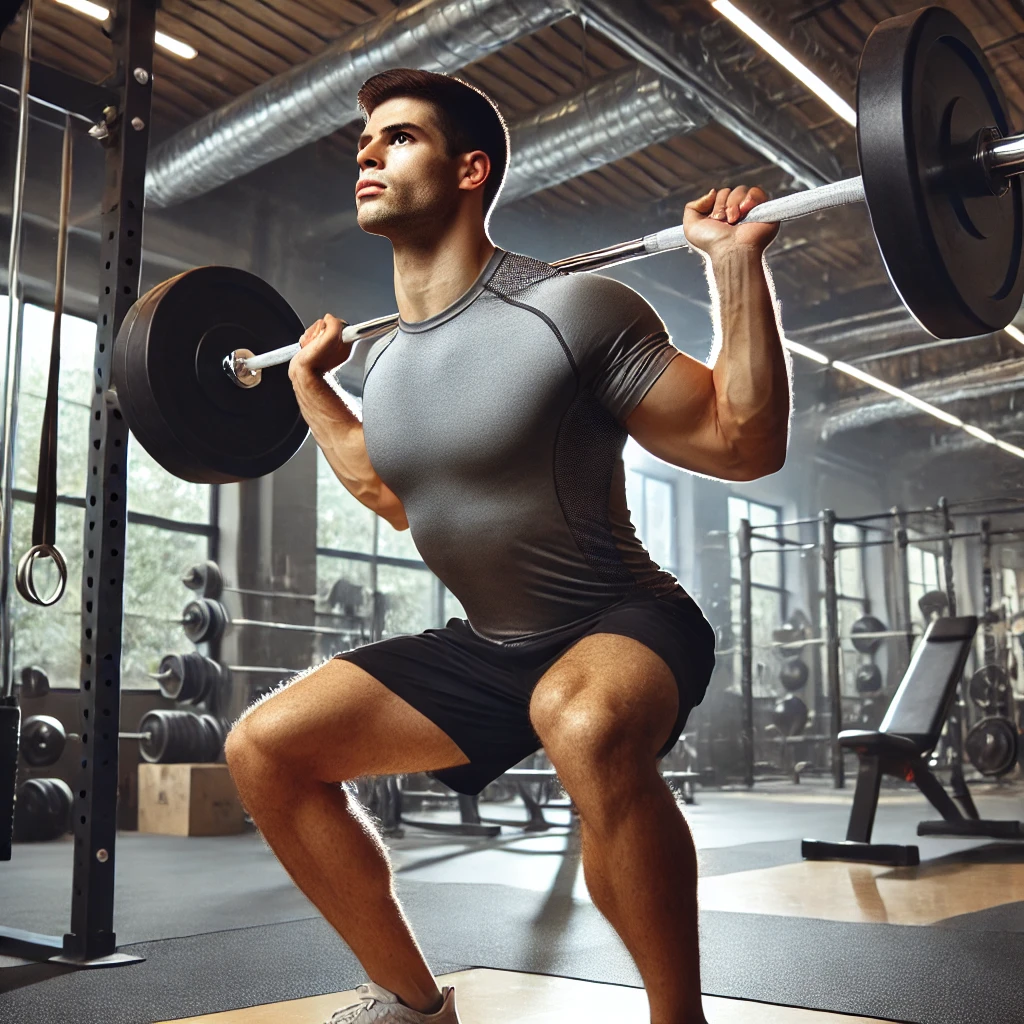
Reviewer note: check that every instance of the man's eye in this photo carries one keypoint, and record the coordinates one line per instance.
(398, 136)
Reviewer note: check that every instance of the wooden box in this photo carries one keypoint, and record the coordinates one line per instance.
(189, 800)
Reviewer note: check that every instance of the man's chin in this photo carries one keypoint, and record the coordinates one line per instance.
(376, 221)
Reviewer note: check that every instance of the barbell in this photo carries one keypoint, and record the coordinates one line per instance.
(939, 174)
(204, 621)
(164, 736)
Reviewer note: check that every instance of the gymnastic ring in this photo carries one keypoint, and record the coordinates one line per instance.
(26, 584)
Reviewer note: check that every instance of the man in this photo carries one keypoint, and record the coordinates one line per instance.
(494, 421)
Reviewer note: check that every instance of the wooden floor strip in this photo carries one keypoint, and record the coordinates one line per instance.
(485, 996)
(866, 893)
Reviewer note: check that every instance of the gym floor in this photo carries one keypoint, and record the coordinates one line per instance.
(227, 938)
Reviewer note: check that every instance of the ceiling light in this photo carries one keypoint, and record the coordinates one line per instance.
(890, 389)
(175, 46)
(1011, 448)
(802, 350)
(779, 53)
(87, 8)
(166, 42)
(981, 435)
(1015, 332)
(932, 410)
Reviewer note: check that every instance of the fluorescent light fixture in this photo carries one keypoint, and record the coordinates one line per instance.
(802, 350)
(779, 53)
(932, 410)
(981, 435)
(162, 39)
(1016, 333)
(890, 389)
(175, 46)
(1011, 448)
(87, 8)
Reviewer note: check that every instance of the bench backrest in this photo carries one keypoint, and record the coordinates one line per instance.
(922, 702)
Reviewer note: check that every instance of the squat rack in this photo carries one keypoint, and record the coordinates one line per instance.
(896, 536)
(124, 134)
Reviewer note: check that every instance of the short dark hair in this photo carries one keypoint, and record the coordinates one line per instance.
(468, 118)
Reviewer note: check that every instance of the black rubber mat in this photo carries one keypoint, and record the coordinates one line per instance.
(1007, 918)
(923, 975)
(170, 886)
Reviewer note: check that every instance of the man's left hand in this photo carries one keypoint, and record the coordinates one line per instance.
(711, 223)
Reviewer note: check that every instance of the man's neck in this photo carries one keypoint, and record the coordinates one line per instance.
(429, 277)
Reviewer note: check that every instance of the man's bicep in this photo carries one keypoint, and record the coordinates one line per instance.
(677, 420)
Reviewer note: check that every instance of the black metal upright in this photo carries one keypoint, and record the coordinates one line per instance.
(834, 683)
(95, 808)
(745, 546)
(954, 723)
(901, 570)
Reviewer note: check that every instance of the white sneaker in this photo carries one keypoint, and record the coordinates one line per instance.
(378, 1004)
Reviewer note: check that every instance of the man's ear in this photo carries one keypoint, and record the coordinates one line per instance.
(476, 169)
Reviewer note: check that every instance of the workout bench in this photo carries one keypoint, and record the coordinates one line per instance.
(900, 747)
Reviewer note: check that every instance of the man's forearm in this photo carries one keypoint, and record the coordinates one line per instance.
(339, 434)
(751, 378)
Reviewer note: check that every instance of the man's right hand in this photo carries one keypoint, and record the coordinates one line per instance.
(322, 348)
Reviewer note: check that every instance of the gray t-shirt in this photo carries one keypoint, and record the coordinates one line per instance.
(498, 424)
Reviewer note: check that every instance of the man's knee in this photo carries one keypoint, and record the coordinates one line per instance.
(260, 736)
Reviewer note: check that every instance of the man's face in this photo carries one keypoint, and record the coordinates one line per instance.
(407, 182)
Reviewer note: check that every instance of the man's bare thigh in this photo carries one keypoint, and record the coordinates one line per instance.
(339, 722)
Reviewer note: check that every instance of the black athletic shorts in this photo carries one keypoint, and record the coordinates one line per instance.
(478, 691)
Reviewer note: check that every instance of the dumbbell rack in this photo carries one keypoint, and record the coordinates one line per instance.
(91, 940)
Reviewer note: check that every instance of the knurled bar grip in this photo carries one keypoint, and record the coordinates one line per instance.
(791, 207)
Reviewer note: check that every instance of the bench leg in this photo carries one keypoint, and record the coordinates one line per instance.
(937, 796)
(865, 800)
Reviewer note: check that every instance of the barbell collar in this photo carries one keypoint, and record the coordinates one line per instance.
(239, 370)
(1005, 156)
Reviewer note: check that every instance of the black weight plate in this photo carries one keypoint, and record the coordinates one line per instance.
(794, 674)
(206, 578)
(984, 684)
(868, 678)
(991, 746)
(867, 624)
(173, 391)
(954, 255)
(42, 741)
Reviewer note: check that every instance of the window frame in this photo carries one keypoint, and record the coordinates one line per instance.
(641, 527)
(209, 529)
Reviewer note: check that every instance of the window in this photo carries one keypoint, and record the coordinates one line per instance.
(850, 575)
(652, 507)
(767, 582)
(922, 574)
(169, 520)
(359, 552)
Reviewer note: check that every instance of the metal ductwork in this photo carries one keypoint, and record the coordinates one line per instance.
(318, 96)
(618, 115)
(984, 383)
(733, 98)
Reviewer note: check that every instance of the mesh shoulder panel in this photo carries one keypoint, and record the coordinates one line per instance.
(517, 272)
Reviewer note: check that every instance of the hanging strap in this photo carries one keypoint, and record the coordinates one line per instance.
(44, 525)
